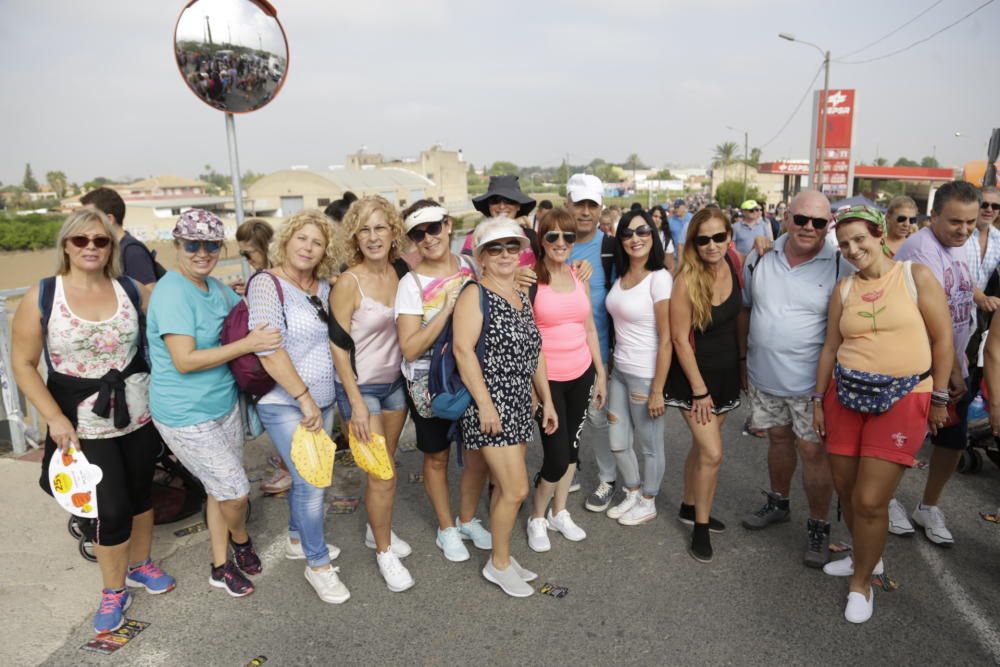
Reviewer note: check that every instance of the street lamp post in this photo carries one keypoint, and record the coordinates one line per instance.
(746, 157)
(826, 87)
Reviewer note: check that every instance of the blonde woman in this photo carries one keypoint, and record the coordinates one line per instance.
(705, 381)
(91, 304)
(901, 221)
(370, 390)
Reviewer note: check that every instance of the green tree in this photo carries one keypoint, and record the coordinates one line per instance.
(754, 158)
(28, 182)
(929, 161)
(730, 193)
(218, 183)
(57, 181)
(906, 162)
(881, 162)
(664, 175)
(249, 178)
(633, 162)
(95, 183)
(502, 168)
(725, 157)
(562, 173)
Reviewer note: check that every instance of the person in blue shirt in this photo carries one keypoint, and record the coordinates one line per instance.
(678, 223)
(584, 197)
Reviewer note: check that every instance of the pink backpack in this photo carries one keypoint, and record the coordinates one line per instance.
(249, 373)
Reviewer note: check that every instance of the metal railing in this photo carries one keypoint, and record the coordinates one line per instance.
(12, 398)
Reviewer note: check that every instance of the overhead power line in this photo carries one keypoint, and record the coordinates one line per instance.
(890, 34)
(796, 110)
(919, 41)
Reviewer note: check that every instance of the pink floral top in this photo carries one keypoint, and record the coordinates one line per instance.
(83, 348)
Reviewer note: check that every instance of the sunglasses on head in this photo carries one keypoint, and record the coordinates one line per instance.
(802, 220)
(985, 205)
(719, 239)
(418, 235)
(211, 247)
(909, 220)
(82, 241)
(511, 247)
(320, 311)
(642, 231)
(552, 237)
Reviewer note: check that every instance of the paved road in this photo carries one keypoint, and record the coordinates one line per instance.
(636, 597)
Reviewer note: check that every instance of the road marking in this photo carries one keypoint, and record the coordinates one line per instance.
(273, 553)
(982, 626)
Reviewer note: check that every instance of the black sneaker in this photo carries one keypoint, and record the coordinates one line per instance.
(775, 510)
(686, 516)
(818, 551)
(600, 499)
(701, 544)
(246, 557)
(229, 578)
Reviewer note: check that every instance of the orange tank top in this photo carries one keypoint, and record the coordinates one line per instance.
(882, 328)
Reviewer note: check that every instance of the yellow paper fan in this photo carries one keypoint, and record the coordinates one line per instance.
(312, 454)
(372, 456)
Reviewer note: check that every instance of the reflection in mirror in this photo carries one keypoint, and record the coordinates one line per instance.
(232, 53)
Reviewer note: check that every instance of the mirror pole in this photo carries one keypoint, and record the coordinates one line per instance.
(234, 167)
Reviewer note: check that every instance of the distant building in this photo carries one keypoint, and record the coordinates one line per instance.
(162, 187)
(446, 170)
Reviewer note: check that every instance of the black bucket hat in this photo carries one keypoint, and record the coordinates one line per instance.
(508, 188)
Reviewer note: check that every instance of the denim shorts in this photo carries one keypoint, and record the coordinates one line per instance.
(378, 398)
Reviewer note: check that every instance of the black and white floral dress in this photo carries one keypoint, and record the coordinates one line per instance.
(509, 361)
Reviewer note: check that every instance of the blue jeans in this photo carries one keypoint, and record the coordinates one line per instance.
(630, 421)
(305, 501)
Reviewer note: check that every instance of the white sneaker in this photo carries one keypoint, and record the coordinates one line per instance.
(328, 585)
(398, 545)
(564, 524)
(523, 572)
(508, 580)
(899, 523)
(631, 498)
(396, 576)
(931, 519)
(642, 512)
(859, 609)
(449, 541)
(474, 531)
(538, 534)
(293, 550)
(845, 567)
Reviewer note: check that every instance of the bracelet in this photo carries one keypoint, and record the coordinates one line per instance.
(817, 397)
(699, 397)
(304, 392)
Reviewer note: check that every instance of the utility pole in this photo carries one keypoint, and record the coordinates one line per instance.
(822, 133)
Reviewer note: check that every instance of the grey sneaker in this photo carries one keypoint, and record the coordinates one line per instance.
(775, 510)
(818, 551)
(508, 580)
(600, 499)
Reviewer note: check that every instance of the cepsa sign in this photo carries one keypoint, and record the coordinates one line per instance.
(838, 168)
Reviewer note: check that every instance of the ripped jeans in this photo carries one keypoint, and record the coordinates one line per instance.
(629, 422)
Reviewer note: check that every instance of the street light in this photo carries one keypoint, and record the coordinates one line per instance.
(746, 156)
(826, 86)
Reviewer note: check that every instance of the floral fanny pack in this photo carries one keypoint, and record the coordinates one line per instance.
(420, 392)
(872, 393)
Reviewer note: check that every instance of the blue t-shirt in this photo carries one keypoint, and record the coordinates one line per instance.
(591, 251)
(678, 230)
(178, 306)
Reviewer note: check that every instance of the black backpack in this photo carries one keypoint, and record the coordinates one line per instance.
(129, 241)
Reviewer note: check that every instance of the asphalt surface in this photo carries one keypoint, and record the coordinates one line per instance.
(635, 595)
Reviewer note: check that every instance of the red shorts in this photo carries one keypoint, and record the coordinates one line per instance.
(894, 436)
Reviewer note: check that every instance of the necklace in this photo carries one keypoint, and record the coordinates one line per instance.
(500, 289)
(297, 283)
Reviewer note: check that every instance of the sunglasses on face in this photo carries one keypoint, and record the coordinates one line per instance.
(753, 210)
(909, 220)
(642, 231)
(418, 235)
(568, 237)
(985, 205)
(511, 247)
(802, 220)
(496, 200)
(211, 247)
(320, 312)
(81, 241)
(718, 239)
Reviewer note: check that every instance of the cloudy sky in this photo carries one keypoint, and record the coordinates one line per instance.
(90, 86)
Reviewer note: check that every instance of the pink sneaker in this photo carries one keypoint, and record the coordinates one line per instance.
(281, 481)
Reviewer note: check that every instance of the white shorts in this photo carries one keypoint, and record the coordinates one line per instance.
(212, 451)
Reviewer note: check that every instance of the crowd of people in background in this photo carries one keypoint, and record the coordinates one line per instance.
(847, 331)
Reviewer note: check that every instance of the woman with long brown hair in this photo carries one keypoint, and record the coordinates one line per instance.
(705, 381)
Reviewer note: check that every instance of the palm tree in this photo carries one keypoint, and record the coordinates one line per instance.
(725, 155)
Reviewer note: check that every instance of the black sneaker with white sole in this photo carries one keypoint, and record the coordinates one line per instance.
(600, 499)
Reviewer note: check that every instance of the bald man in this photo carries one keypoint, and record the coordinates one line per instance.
(785, 298)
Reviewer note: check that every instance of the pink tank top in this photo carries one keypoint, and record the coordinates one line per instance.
(561, 318)
(376, 344)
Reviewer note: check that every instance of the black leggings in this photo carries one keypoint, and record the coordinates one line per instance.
(125, 489)
(570, 400)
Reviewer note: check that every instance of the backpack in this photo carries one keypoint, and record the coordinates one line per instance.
(608, 259)
(129, 241)
(47, 295)
(247, 370)
(449, 396)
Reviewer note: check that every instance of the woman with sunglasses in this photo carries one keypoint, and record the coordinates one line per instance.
(94, 330)
(498, 422)
(639, 305)
(705, 381)
(292, 298)
(890, 320)
(370, 392)
(193, 396)
(425, 301)
(574, 370)
(901, 221)
(504, 199)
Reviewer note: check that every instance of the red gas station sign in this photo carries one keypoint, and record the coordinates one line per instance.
(838, 168)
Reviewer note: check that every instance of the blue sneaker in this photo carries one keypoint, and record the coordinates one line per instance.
(111, 614)
(474, 531)
(449, 541)
(150, 577)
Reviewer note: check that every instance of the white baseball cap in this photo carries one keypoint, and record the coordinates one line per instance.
(582, 187)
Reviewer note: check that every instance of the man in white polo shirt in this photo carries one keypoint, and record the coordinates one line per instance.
(785, 298)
